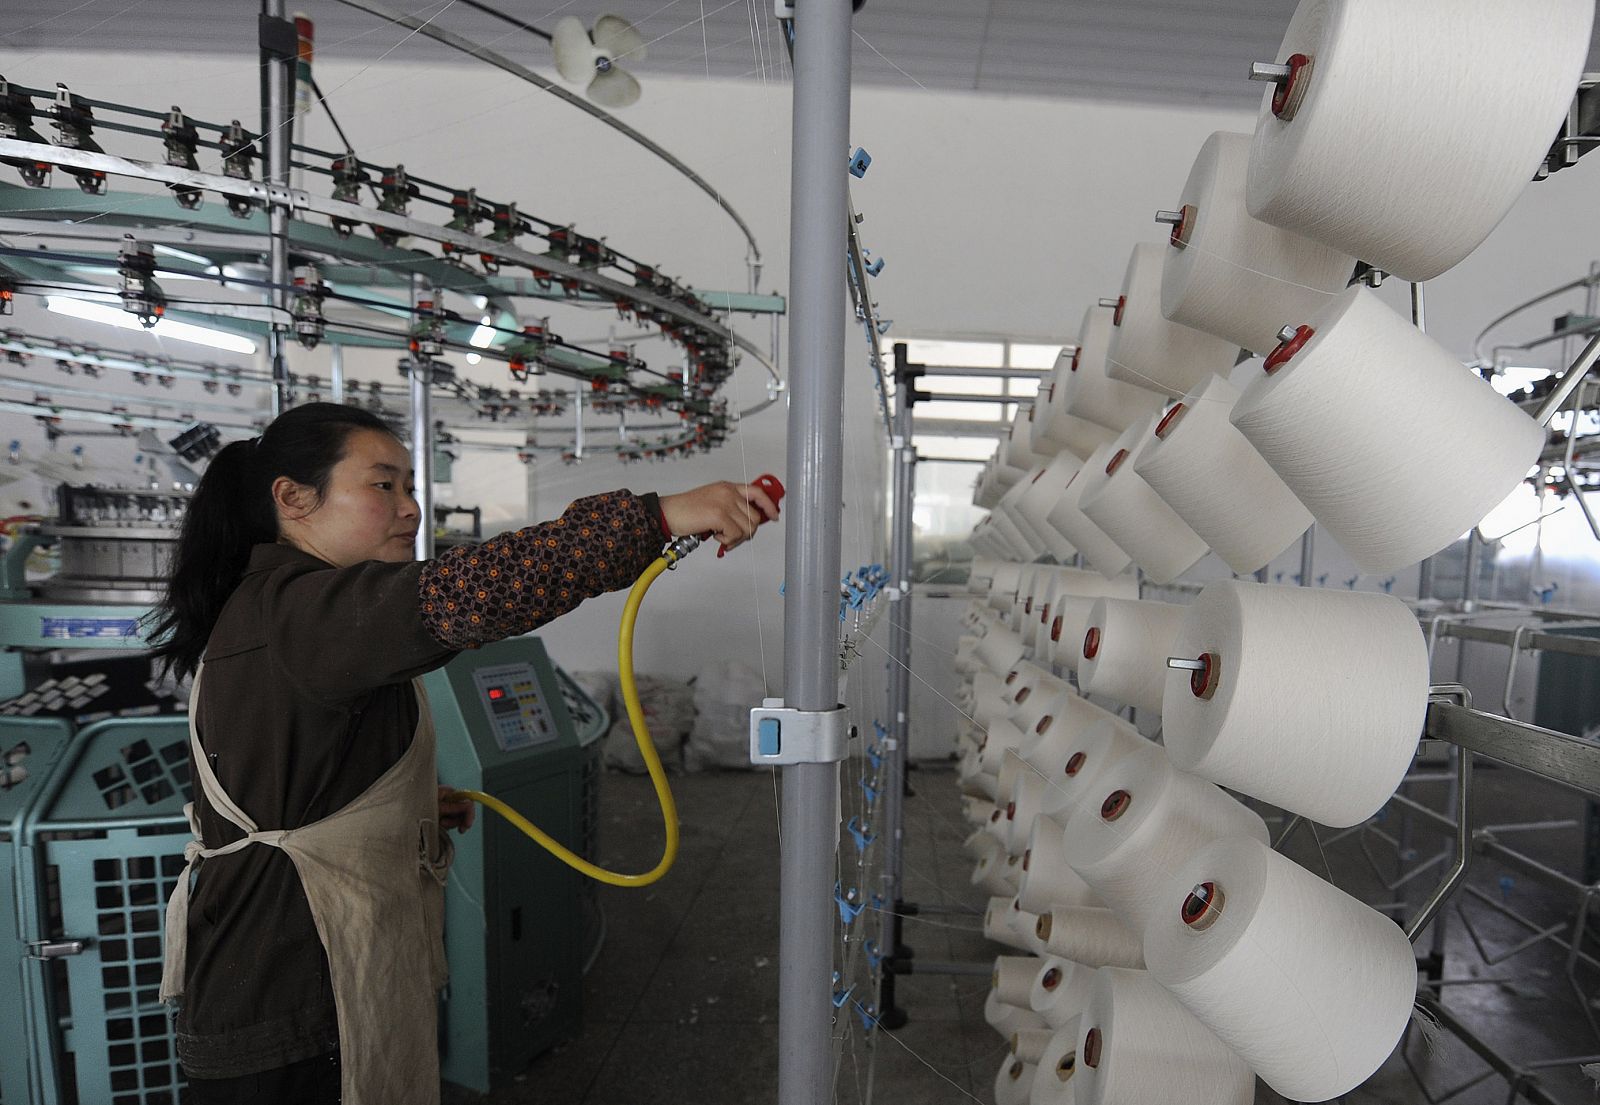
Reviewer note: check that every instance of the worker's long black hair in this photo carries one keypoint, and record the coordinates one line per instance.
(232, 511)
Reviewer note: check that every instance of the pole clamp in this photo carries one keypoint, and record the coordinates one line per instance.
(780, 735)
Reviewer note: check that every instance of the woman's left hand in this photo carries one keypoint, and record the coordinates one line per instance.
(458, 813)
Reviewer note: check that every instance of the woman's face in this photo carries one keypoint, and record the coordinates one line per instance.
(368, 512)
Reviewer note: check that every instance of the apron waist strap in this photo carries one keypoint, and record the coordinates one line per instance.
(175, 958)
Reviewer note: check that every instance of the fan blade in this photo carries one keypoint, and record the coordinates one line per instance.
(574, 52)
(614, 88)
(618, 39)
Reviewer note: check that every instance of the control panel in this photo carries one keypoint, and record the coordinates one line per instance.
(514, 706)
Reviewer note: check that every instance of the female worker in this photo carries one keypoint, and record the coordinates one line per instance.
(308, 954)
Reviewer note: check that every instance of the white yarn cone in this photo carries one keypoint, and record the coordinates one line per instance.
(1236, 276)
(1313, 701)
(1070, 598)
(1002, 735)
(1041, 493)
(1059, 990)
(1008, 1020)
(1104, 554)
(1150, 820)
(1139, 1046)
(1059, 739)
(1087, 755)
(1012, 978)
(1213, 478)
(1405, 155)
(998, 926)
(1093, 937)
(1048, 882)
(1088, 392)
(1001, 650)
(1151, 351)
(1013, 1081)
(1117, 499)
(1056, 1067)
(1029, 1045)
(1123, 651)
(993, 873)
(1053, 426)
(1310, 986)
(1364, 396)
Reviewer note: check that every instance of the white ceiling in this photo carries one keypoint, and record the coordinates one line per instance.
(1182, 52)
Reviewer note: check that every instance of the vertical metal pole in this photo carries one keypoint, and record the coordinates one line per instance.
(422, 428)
(277, 139)
(577, 420)
(1469, 582)
(1419, 319)
(1308, 555)
(817, 213)
(1459, 758)
(901, 559)
(336, 370)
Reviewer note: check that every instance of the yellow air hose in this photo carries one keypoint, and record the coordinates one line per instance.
(647, 749)
(676, 551)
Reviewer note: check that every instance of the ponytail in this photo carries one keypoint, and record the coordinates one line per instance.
(232, 511)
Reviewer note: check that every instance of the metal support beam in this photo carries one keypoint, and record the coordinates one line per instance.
(277, 137)
(422, 429)
(989, 373)
(901, 558)
(1561, 758)
(817, 213)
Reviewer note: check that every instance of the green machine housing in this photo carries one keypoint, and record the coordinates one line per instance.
(519, 924)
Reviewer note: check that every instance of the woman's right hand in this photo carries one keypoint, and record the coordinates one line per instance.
(730, 512)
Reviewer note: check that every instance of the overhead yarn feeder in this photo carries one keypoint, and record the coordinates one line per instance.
(1346, 403)
(1151, 351)
(1213, 478)
(1231, 274)
(1407, 155)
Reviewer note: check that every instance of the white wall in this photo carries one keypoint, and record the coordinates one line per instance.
(997, 215)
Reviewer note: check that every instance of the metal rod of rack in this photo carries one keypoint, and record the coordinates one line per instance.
(276, 135)
(422, 431)
(901, 556)
(989, 373)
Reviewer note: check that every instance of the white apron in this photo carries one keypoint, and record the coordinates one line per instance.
(374, 874)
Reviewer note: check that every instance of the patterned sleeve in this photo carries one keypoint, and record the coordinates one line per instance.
(516, 582)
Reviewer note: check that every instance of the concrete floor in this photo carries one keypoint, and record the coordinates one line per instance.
(681, 1005)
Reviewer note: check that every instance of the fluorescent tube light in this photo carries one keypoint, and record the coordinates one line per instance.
(164, 328)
